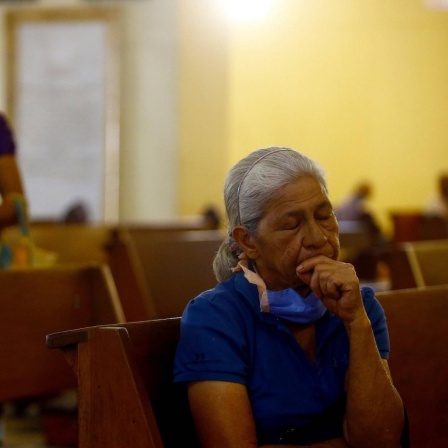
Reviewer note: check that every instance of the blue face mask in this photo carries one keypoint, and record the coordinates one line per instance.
(288, 304)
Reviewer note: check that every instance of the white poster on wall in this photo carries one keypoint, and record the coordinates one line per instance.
(63, 98)
(60, 108)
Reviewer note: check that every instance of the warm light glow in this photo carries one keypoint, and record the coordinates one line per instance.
(437, 4)
(247, 9)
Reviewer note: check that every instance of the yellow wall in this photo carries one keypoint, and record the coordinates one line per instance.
(203, 105)
(362, 87)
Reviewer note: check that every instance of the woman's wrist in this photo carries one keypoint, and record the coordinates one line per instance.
(358, 325)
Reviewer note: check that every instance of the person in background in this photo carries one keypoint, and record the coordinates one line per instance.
(11, 189)
(76, 213)
(437, 206)
(211, 217)
(354, 208)
(287, 349)
(11, 186)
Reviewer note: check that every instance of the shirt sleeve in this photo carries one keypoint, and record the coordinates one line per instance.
(7, 144)
(377, 318)
(212, 344)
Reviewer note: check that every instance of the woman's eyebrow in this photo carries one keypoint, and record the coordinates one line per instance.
(301, 212)
(326, 203)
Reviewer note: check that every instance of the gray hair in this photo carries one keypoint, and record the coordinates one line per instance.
(250, 186)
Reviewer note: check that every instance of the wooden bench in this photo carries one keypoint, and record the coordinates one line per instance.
(89, 243)
(418, 263)
(72, 243)
(354, 237)
(125, 375)
(400, 272)
(428, 261)
(125, 389)
(418, 330)
(158, 270)
(157, 266)
(35, 302)
(414, 225)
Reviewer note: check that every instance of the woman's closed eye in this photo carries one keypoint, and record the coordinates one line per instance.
(325, 216)
(290, 224)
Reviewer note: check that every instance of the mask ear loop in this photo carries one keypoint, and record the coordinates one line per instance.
(247, 172)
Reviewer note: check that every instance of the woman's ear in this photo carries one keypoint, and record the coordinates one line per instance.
(245, 241)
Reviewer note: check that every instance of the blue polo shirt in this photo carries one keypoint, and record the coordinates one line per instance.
(225, 337)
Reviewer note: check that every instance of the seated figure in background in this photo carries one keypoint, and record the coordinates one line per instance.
(355, 209)
(434, 222)
(437, 205)
(211, 217)
(13, 205)
(76, 213)
(11, 186)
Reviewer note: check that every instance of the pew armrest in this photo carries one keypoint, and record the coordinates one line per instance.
(125, 375)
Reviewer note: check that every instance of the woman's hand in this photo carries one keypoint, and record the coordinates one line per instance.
(336, 284)
(372, 400)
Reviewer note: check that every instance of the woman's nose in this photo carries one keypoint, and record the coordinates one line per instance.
(314, 236)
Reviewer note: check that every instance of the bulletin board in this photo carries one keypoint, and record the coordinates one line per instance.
(62, 100)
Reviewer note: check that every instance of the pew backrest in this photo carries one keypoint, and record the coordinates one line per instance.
(164, 267)
(157, 266)
(417, 226)
(418, 361)
(35, 302)
(400, 272)
(71, 243)
(125, 389)
(428, 261)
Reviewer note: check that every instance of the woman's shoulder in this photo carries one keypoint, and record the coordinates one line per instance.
(225, 301)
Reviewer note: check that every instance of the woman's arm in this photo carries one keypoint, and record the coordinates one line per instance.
(374, 413)
(222, 414)
(374, 407)
(223, 417)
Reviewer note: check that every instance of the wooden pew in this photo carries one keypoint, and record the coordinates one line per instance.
(415, 225)
(400, 271)
(158, 270)
(125, 372)
(418, 263)
(433, 228)
(140, 257)
(406, 225)
(125, 389)
(419, 359)
(72, 243)
(35, 302)
(89, 243)
(354, 237)
(428, 261)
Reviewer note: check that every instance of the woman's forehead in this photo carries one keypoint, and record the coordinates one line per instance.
(301, 193)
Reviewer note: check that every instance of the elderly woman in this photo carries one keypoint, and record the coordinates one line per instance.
(287, 350)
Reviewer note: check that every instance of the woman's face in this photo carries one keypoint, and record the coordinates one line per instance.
(297, 225)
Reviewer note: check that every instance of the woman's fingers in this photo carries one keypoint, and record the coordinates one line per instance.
(327, 278)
